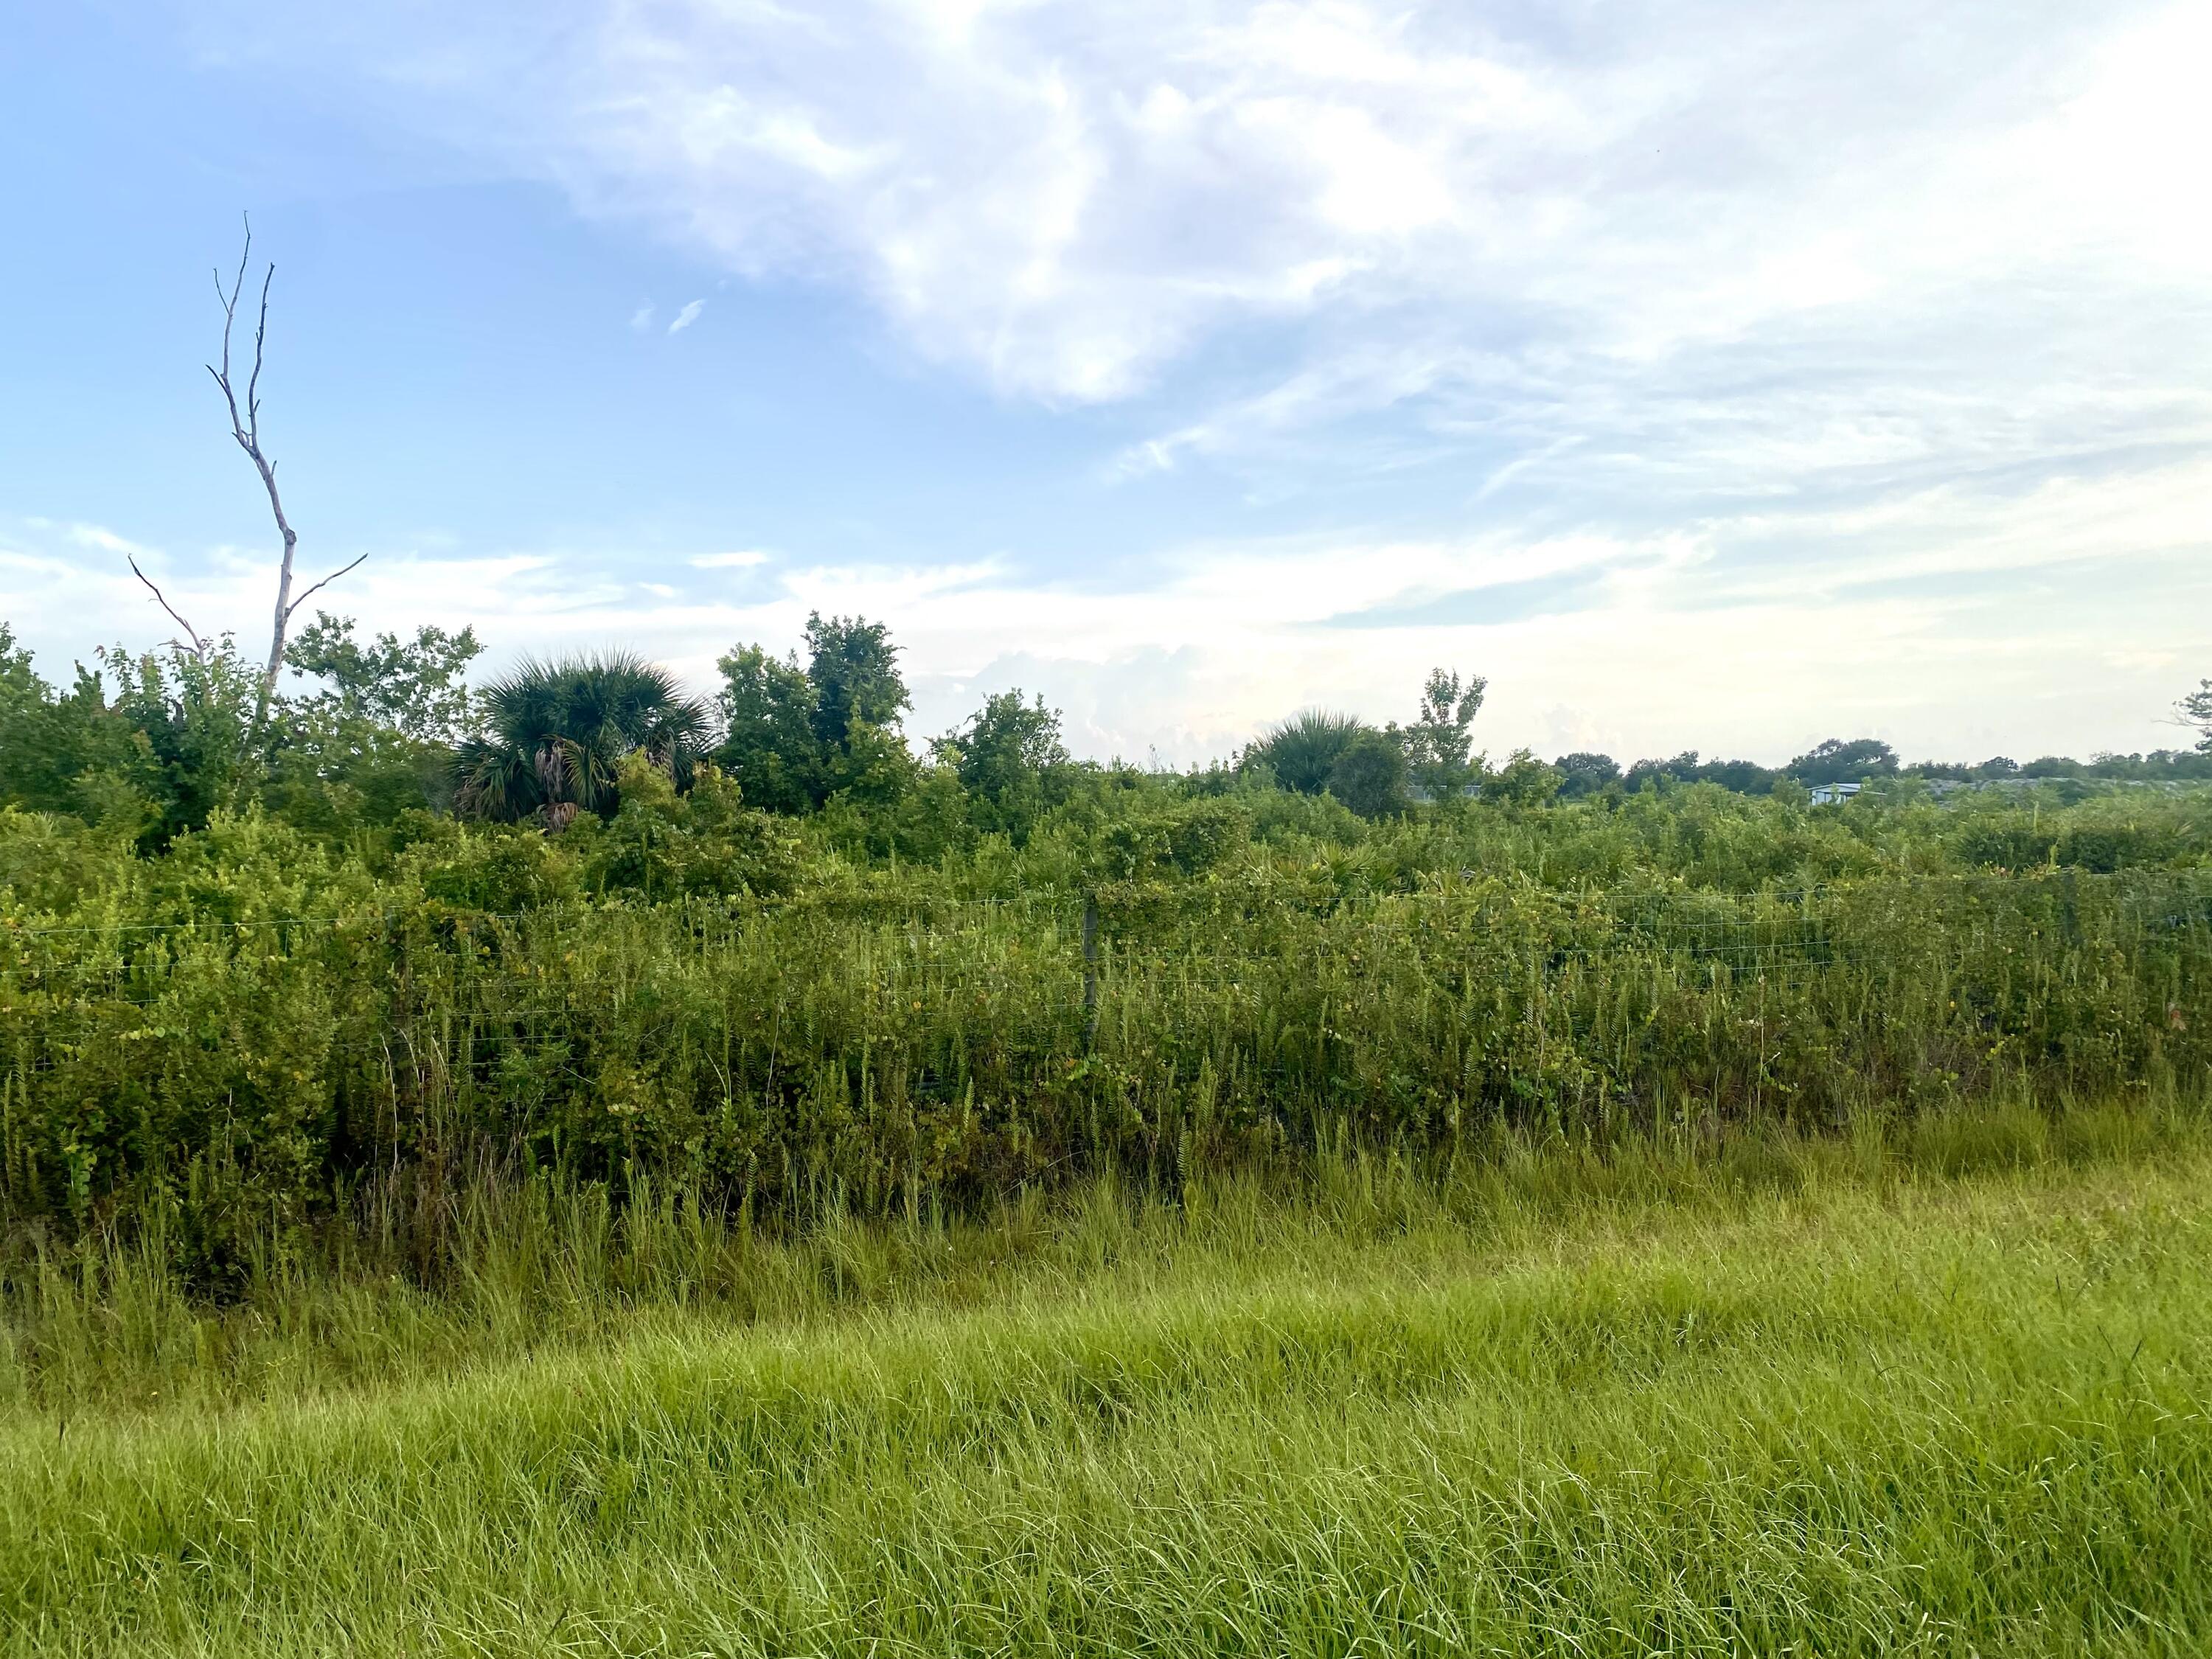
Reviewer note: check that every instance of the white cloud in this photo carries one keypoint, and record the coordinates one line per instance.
(1652, 255)
(686, 316)
(103, 540)
(641, 320)
(743, 559)
(1066, 197)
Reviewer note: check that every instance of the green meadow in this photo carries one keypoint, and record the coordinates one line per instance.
(1934, 1387)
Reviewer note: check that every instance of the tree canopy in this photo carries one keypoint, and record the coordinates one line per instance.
(1440, 742)
(1010, 759)
(1585, 772)
(2196, 711)
(1836, 761)
(375, 737)
(414, 688)
(796, 737)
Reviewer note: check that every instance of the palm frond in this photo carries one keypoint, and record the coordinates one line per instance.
(560, 727)
(1302, 750)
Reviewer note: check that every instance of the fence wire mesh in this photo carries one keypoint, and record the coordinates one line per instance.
(881, 1030)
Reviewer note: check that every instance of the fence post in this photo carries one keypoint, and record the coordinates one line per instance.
(1089, 968)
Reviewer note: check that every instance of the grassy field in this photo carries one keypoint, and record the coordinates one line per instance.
(1931, 1386)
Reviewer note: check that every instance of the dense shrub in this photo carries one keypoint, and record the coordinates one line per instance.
(235, 1031)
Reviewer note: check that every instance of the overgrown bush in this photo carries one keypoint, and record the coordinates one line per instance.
(245, 968)
(231, 1034)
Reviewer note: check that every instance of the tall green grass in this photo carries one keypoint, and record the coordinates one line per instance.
(1935, 1386)
(407, 1283)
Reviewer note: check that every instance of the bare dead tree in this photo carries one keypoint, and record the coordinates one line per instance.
(246, 430)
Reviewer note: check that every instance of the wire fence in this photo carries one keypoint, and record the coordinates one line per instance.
(1118, 938)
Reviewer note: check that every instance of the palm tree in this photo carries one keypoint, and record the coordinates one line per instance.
(558, 732)
(1304, 749)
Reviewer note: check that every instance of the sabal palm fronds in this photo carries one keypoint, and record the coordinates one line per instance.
(1303, 749)
(557, 733)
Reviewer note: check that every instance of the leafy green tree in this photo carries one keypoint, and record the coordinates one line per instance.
(27, 767)
(1369, 775)
(1684, 768)
(557, 733)
(1586, 773)
(413, 687)
(767, 743)
(859, 697)
(1523, 781)
(1303, 750)
(175, 744)
(1440, 744)
(1836, 761)
(857, 683)
(51, 741)
(872, 769)
(1742, 776)
(374, 737)
(1010, 761)
(193, 747)
(2196, 710)
(794, 738)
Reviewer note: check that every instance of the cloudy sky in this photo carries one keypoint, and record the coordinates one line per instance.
(1708, 373)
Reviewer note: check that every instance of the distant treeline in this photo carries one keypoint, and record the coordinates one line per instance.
(1864, 759)
(151, 745)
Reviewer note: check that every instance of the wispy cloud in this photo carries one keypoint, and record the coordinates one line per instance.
(101, 539)
(1703, 244)
(743, 559)
(686, 316)
(1068, 201)
(642, 320)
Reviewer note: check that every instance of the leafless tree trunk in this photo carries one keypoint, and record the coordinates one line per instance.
(246, 430)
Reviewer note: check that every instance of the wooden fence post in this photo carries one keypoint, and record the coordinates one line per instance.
(1089, 968)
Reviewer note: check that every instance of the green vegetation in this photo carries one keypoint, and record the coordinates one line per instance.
(247, 977)
(560, 1168)
(1928, 1388)
(248, 1027)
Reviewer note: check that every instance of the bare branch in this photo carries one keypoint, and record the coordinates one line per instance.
(321, 584)
(229, 303)
(253, 382)
(199, 644)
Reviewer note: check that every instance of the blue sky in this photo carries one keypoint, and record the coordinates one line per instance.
(1713, 375)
